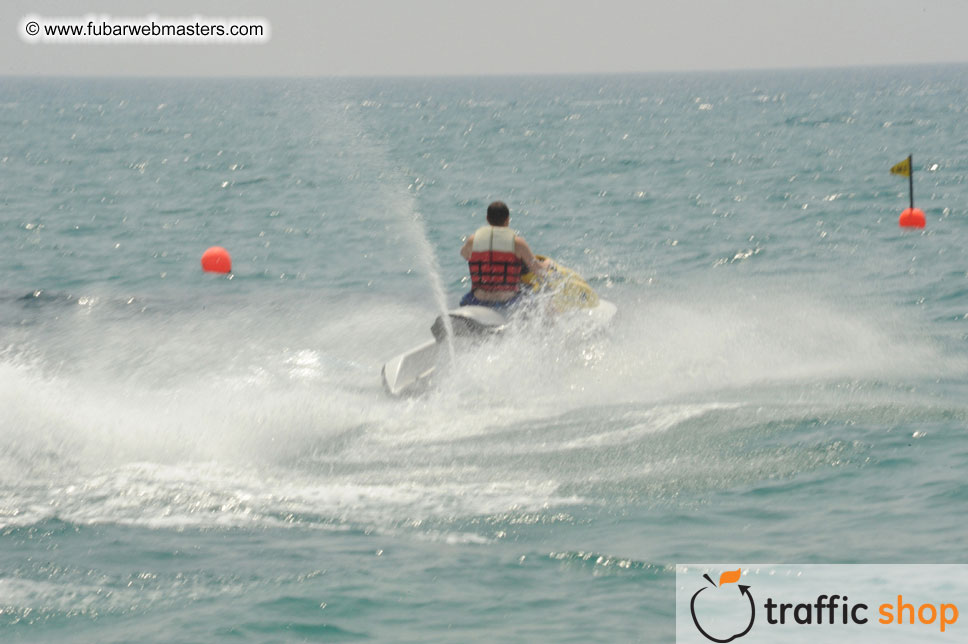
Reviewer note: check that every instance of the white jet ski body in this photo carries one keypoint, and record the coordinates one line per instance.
(411, 371)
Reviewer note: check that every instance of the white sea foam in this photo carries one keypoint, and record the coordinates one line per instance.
(291, 425)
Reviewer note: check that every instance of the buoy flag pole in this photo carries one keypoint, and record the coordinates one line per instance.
(911, 179)
(912, 217)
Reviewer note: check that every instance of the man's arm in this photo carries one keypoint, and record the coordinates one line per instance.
(465, 250)
(522, 250)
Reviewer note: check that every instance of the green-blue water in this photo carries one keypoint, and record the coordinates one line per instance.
(186, 457)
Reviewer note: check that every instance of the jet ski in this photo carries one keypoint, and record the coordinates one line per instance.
(560, 291)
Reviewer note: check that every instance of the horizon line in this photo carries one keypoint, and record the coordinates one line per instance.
(482, 75)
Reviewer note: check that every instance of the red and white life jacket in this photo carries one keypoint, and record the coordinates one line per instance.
(493, 264)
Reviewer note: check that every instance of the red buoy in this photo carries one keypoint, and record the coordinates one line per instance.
(911, 218)
(217, 260)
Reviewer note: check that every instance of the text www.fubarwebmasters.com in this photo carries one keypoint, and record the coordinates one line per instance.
(100, 28)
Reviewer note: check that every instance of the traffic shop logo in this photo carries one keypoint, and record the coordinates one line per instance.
(743, 603)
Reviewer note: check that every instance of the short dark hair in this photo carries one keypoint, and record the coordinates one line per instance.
(498, 213)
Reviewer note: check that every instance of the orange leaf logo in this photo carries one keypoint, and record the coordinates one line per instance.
(729, 577)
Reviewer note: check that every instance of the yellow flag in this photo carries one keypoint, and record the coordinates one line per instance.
(903, 168)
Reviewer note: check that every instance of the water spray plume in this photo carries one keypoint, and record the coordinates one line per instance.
(428, 258)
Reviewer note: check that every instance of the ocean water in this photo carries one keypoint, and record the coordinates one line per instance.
(188, 457)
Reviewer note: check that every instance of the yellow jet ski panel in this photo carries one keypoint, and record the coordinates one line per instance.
(566, 288)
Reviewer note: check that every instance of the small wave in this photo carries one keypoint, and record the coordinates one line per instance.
(611, 564)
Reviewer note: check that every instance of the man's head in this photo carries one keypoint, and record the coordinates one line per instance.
(498, 214)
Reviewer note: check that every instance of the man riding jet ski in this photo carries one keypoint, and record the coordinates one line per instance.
(497, 259)
(504, 272)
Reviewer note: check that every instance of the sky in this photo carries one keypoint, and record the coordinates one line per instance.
(461, 37)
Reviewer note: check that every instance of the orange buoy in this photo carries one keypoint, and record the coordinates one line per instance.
(216, 260)
(911, 218)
